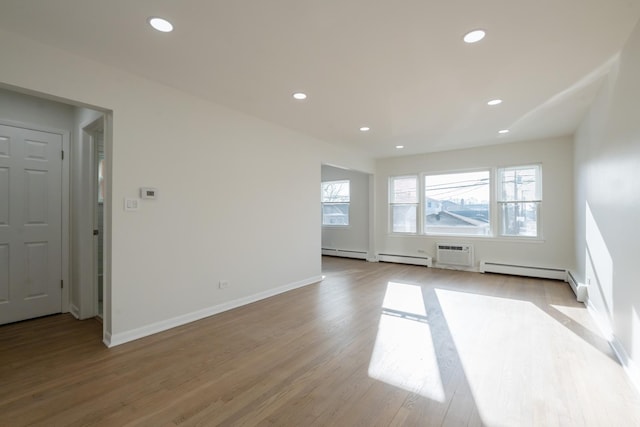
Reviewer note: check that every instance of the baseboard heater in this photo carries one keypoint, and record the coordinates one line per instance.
(580, 289)
(405, 259)
(523, 270)
(344, 253)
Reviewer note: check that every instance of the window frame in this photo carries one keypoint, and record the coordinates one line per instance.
(392, 204)
(495, 204)
(491, 203)
(500, 202)
(323, 203)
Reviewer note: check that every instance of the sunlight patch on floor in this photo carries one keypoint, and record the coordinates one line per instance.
(404, 298)
(403, 354)
(516, 359)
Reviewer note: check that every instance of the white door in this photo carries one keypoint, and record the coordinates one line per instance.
(30, 223)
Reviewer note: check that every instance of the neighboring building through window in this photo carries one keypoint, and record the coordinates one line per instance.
(519, 200)
(457, 203)
(335, 202)
(403, 204)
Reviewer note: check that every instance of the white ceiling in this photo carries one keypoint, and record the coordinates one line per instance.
(399, 66)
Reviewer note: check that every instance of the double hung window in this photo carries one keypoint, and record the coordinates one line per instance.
(519, 200)
(336, 198)
(403, 204)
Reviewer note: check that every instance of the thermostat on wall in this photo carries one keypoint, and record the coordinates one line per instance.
(148, 193)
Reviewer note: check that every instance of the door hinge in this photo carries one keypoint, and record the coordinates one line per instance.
(62, 154)
(61, 284)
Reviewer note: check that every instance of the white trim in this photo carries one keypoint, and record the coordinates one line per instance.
(75, 311)
(106, 339)
(630, 367)
(112, 340)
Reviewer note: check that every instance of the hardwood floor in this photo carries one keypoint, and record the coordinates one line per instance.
(370, 345)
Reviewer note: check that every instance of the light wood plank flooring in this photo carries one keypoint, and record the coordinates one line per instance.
(370, 345)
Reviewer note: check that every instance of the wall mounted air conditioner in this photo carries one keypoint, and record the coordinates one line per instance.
(454, 254)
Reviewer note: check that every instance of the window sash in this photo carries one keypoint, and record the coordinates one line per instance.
(519, 219)
(402, 190)
(403, 217)
(451, 206)
(520, 184)
(336, 191)
(335, 214)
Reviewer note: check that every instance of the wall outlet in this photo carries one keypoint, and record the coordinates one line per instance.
(222, 284)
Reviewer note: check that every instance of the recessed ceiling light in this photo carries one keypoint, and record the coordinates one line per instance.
(300, 96)
(399, 147)
(503, 131)
(495, 102)
(161, 24)
(365, 129)
(474, 36)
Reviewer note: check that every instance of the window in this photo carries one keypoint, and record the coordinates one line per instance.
(403, 204)
(519, 199)
(457, 203)
(335, 203)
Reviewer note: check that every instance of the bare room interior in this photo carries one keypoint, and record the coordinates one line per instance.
(296, 214)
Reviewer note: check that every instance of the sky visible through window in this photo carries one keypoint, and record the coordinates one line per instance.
(457, 203)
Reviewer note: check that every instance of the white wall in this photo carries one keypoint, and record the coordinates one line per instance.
(237, 196)
(607, 175)
(27, 109)
(355, 237)
(556, 248)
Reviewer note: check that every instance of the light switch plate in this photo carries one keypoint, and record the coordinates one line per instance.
(130, 204)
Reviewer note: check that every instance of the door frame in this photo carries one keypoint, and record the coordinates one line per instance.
(89, 270)
(65, 201)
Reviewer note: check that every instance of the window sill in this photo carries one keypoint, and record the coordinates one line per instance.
(467, 237)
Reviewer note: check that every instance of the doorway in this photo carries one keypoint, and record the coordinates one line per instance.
(95, 135)
(86, 141)
(92, 301)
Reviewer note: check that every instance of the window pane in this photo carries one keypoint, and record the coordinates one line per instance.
(335, 191)
(519, 184)
(404, 190)
(457, 203)
(403, 218)
(335, 214)
(519, 219)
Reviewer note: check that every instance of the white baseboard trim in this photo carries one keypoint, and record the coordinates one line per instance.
(630, 367)
(106, 339)
(112, 340)
(75, 311)
(344, 253)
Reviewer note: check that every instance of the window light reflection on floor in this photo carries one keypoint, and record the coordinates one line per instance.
(403, 354)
